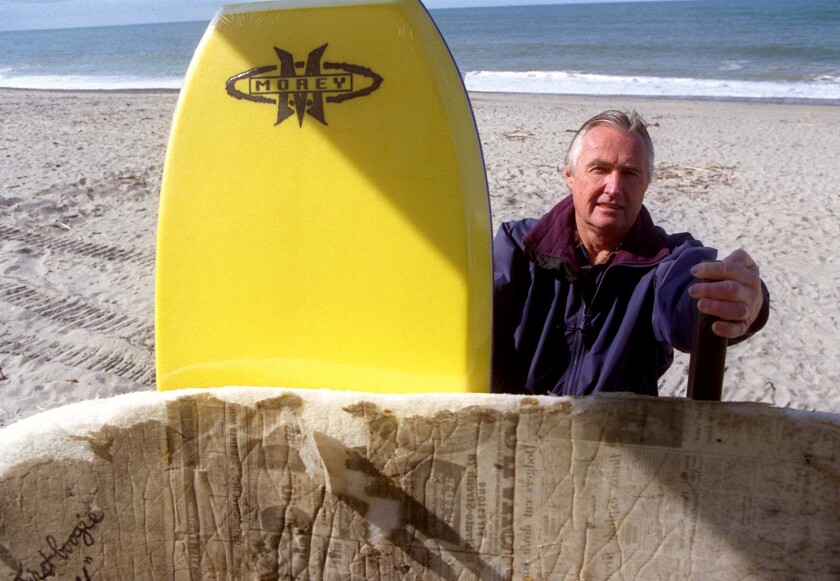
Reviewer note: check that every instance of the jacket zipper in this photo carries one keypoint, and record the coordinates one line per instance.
(583, 323)
(577, 354)
(580, 331)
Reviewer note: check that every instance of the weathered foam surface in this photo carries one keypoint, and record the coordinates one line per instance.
(240, 483)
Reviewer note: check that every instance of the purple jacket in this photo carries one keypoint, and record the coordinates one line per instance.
(562, 327)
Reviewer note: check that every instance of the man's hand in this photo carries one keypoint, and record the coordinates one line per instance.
(732, 293)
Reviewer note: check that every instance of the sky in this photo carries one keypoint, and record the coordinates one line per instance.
(37, 14)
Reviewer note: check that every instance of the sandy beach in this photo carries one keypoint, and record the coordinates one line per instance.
(80, 180)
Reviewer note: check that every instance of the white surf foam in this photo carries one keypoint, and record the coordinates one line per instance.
(576, 83)
(825, 88)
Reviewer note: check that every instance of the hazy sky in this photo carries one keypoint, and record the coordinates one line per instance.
(34, 14)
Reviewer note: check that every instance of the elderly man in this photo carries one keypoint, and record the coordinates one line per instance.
(595, 297)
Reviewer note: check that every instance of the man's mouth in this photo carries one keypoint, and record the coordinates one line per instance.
(609, 206)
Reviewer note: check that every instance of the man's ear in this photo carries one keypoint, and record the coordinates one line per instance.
(569, 178)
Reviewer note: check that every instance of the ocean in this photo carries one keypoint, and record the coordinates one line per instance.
(786, 50)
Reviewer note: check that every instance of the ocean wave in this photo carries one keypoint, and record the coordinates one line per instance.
(827, 79)
(577, 83)
(823, 88)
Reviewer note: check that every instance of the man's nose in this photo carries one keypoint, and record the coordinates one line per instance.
(613, 182)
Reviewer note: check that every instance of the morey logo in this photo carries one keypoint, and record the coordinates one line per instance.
(302, 87)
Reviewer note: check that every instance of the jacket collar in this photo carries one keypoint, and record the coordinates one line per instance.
(551, 243)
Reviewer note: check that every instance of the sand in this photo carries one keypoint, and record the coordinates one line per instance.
(80, 179)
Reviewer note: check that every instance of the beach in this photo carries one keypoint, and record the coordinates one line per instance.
(80, 184)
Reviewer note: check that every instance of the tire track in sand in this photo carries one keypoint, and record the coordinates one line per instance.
(116, 344)
(70, 311)
(63, 244)
(130, 363)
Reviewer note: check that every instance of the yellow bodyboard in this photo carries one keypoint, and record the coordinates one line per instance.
(324, 218)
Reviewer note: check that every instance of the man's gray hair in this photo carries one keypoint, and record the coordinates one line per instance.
(626, 122)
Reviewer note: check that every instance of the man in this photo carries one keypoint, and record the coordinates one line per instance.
(593, 296)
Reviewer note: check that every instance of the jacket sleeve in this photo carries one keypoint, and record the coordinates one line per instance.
(675, 312)
(511, 279)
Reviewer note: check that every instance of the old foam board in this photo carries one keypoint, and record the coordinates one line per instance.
(258, 484)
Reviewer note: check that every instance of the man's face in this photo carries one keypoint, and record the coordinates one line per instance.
(609, 182)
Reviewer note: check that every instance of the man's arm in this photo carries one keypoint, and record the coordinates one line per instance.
(732, 292)
(508, 265)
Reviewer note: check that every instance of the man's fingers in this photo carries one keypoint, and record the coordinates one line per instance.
(729, 329)
(722, 290)
(738, 266)
(741, 258)
(734, 311)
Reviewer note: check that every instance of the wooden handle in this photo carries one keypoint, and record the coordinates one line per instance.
(705, 371)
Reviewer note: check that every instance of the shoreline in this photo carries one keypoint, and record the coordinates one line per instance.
(690, 98)
(79, 191)
(701, 99)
